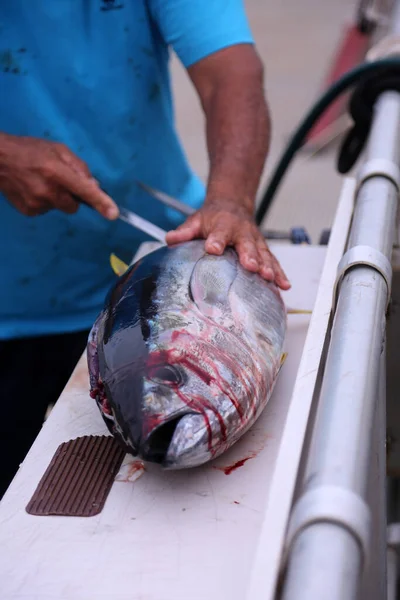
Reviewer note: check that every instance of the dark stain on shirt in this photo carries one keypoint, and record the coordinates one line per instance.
(25, 280)
(8, 64)
(147, 51)
(154, 92)
(136, 68)
(110, 5)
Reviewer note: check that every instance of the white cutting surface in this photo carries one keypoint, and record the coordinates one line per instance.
(189, 535)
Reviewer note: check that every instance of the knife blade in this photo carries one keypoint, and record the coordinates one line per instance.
(169, 201)
(135, 221)
(142, 224)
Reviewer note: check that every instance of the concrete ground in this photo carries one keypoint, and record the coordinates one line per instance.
(296, 40)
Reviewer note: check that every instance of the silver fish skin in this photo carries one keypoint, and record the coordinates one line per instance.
(185, 354)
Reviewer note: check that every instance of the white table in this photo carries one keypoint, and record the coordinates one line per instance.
(190, 535)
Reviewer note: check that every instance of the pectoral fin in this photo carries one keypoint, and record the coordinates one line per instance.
(211, 280)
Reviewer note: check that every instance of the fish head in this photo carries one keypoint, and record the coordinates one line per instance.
(164, 406)
(185, 414)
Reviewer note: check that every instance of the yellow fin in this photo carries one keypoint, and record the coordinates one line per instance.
(298, 311)
(118, 265)
(283, 358)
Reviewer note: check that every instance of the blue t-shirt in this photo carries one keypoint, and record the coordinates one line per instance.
(93, 74)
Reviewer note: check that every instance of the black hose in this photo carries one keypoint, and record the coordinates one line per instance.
(339, 87)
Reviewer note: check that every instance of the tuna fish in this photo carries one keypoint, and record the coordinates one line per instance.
(185, 354)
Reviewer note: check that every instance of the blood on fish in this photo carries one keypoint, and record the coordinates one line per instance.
(230, 363)
(150, 423)
(211, 407)
(162, 357)
(219, 381)
(192, 403)
(173, 356)
(98, 394)
(198, 403)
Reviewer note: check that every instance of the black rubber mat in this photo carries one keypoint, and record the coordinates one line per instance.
(78, 479)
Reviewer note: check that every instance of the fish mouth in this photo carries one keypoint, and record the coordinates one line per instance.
(181, 442)
(158, 442)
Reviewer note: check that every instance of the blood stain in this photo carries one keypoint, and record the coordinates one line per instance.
(229, 469)
(131, 471)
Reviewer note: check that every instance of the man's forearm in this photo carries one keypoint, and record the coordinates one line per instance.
(238, 140)
(238, 127)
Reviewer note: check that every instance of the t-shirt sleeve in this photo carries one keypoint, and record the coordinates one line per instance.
(197, 28)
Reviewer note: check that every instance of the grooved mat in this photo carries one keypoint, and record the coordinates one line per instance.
(78, 479)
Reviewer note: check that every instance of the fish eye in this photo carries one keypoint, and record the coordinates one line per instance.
(166, 374)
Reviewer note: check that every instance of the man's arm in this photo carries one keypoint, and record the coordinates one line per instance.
(230, 85)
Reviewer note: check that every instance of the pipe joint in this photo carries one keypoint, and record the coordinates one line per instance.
(363, 256)
(334, 505)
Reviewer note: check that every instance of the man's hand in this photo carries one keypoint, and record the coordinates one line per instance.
(222, 224)
(37, 175)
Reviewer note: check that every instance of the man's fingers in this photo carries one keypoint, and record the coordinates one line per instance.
(267, 266)
(73, 161)
(270, 267)
(217, 240)
(189, 230)
(246, 248)
(280, 277)
(66, 203)
(87, 189)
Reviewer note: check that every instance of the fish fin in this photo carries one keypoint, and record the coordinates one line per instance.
(298, 311)
(118, 265)
(211, 281)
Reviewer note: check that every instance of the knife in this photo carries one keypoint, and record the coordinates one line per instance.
(184, 209)
(142, 224)
(135, 221)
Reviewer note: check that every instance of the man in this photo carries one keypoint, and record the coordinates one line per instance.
(85, 109)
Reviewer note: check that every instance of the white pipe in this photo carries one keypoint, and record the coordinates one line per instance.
(328, 539)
